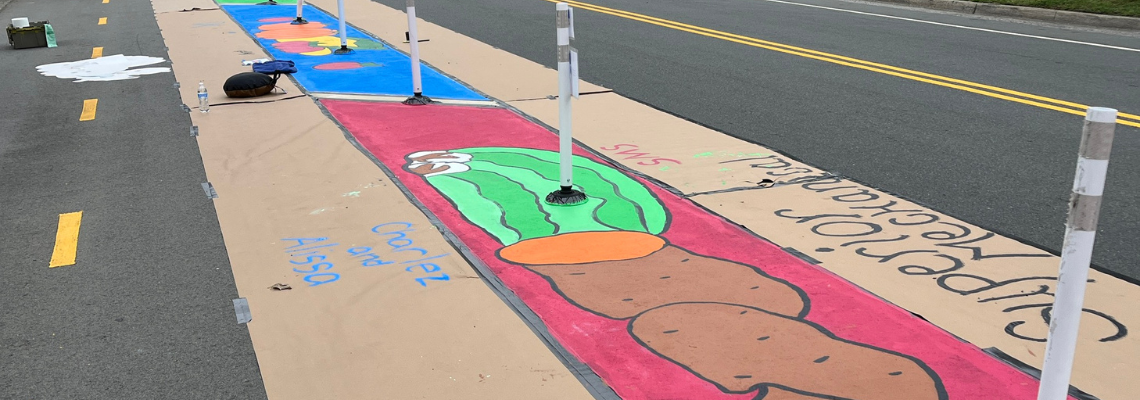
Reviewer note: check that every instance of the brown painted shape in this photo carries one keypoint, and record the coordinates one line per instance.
(741, 349)
(424, 169)
(582, 247)
(775, 393)
(440, 155)
(622, 289)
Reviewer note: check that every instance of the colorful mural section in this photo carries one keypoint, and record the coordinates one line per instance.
(660, 298)
(372, 69)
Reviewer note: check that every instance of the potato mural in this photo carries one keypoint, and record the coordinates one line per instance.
(743, 348)
(731, 324)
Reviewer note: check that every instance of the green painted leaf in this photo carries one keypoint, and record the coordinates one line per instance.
(522, 208)
(477, 208)
(628, 204)
(580, 218)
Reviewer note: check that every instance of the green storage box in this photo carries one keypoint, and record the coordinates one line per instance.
(25, 38)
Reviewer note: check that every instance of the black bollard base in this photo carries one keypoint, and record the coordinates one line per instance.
(418, 99)
(343, 50)
(299, 21)
(566, 196)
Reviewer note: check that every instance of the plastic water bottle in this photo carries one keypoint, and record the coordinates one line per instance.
(203, 98)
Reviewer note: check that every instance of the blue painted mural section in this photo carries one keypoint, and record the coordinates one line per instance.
(373, 69)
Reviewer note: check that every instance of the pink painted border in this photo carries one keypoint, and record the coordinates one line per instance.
(390, 131)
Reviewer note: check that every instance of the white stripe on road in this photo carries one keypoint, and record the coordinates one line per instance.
(959, 26)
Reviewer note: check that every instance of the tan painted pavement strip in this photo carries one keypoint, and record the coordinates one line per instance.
(688, 156)
(285, 170)
(694, 160)
(987, 289)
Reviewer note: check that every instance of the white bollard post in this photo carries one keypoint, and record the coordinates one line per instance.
(343, 30)
(565, 126)
(418, 97)
(300, 7)
(567, 195)
(1076, 253)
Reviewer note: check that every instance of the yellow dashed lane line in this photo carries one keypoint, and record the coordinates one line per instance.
(89, 107)
(66, 239)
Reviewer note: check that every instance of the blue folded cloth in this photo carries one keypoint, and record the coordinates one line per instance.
(275, 67)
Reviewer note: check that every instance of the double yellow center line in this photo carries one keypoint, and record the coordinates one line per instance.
(972, 87)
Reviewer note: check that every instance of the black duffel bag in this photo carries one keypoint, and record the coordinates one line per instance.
(249, 84)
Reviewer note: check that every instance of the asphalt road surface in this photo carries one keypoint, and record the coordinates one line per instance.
(146, 311)
(1003, 165)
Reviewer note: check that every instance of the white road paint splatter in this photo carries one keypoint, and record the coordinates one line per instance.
(109, 68)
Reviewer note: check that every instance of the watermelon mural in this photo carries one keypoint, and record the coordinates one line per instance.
(501, 191)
